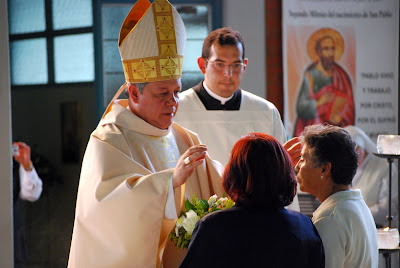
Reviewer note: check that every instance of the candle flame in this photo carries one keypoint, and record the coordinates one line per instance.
(386, 229)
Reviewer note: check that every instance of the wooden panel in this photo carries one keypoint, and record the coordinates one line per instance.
(274, 72)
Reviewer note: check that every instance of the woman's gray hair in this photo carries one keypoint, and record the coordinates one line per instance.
(140, 86)
(334, 145)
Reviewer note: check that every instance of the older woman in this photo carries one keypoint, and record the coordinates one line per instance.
(326, 168)
(258, 231)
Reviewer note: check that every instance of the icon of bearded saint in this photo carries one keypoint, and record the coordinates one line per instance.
(325, 94)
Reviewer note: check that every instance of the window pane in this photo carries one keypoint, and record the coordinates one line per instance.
(28, 62)
(113, 17)
(112, 58)
(26, 16)
(192, 52)
(112, 83)
(72, 14)
(74, 58)
(113, 74)
(195, 19)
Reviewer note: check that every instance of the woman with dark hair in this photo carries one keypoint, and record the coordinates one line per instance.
(326, 169)
(258, 231)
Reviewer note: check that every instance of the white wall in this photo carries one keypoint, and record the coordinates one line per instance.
(248, 18)
(6, 253)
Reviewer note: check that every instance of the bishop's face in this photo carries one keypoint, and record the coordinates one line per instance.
(158, 103)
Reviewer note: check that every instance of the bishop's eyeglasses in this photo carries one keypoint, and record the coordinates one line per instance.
(220, 66)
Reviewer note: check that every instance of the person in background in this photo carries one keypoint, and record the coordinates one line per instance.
(27, 186)
(258, 231)
(221, 112)
(326, 169)
(372, 178)
(139, 166)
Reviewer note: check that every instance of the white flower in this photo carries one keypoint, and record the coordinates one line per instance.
(212, 200)
(179, 225)
(222, 201)
(190, 221)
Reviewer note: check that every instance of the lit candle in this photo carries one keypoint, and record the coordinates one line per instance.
(388, 238)
(388, 144)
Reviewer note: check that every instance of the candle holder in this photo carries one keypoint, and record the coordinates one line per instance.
(388, 238)
(390, 157)
(388, 144)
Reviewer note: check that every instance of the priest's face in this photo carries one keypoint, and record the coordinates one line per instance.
(158, 102)
(224, 70)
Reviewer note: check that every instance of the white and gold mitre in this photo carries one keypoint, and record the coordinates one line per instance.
(151, 42)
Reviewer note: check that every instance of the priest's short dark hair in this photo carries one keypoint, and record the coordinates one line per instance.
(225, 36)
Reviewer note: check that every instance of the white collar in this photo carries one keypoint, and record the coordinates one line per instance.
(215, 96)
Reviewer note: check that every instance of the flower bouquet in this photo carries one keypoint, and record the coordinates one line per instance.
(194, 211)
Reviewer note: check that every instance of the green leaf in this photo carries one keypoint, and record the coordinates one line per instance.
(188, 205)
(204, 204)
